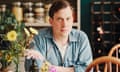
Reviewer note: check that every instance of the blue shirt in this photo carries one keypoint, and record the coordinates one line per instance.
(78, 53)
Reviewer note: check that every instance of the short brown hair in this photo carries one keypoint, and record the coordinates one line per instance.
(57, 5)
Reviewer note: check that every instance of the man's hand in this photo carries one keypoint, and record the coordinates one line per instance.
(30, 53)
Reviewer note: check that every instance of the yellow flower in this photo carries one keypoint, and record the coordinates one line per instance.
(34, 31)
(12, 35)
(9, 58)
(27, 32)
(45, 67)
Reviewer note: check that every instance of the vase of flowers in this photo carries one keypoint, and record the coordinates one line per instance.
(11, 39)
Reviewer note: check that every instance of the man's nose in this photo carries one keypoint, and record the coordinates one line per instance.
(64, 23)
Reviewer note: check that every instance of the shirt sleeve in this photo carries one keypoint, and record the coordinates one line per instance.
(85, 54)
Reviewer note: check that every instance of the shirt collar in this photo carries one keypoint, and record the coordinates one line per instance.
(72, 36)
(49, 33)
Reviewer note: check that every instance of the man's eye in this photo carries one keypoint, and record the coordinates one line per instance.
(68, 18)
(59, 20)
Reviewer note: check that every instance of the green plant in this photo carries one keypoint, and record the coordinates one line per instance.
(11, 39)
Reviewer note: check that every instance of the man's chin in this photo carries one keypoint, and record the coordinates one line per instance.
(65, 33)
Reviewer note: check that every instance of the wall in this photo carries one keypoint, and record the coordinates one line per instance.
(85, 17)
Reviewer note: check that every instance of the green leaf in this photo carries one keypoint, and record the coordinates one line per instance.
(2, 27)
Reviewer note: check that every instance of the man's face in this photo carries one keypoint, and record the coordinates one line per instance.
(62, 21)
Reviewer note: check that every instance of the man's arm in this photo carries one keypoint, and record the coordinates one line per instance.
(84, 55)
(37, 55)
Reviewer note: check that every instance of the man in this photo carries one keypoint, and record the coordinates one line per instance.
(66, 49)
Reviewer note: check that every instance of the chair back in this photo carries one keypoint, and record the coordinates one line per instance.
(115, 51)
(95, 65)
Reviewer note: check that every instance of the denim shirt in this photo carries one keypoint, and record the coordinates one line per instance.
(78, 53)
